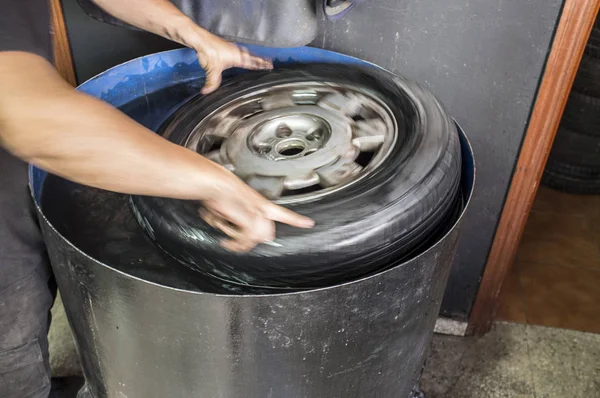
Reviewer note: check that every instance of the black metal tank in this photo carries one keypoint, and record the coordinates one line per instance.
(143, 330)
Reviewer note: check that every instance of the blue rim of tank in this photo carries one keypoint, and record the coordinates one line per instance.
(123, 83)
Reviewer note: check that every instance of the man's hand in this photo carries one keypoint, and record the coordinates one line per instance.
(160, 168)
(164, 19)
(244, 215)
(101, 147)
(216, 55)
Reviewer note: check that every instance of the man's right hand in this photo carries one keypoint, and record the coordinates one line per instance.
(78, 137)
(244, 215)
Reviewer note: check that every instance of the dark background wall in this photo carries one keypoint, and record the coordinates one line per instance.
(482, 58)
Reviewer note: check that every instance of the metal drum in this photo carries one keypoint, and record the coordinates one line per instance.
(144, 334)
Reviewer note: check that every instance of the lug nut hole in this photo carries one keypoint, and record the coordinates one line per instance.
(283, 131)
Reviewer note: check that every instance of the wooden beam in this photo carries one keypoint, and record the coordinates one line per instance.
(567, 49)
(63, 60)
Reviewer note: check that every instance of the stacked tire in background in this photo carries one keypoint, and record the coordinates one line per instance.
(574, 162)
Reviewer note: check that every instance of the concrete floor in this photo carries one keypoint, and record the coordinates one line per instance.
(555, 280)
(512, 361)
(515, 361)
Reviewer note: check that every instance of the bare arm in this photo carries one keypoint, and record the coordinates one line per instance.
(43, 121)
(164, 19)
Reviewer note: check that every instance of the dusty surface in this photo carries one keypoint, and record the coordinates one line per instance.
(512, 361)
(63, 356)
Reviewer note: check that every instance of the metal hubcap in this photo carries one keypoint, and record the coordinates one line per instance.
(298, 142)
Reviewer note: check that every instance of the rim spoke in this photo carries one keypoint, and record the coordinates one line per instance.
(335, 175)
(368, 144)
(371, 127)
(224, 126)
(275, 101)
(270, 187)
(350, 105)
(217, 157)
(309, 180)
(305, 97)
(368, 134)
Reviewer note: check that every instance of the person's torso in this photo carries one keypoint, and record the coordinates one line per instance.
(25, 26)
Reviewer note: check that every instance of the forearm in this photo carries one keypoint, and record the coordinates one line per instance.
(156, 16)
(43, 121)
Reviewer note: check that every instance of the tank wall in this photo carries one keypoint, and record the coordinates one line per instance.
(359, 340)
(363, 339)
(138, 339)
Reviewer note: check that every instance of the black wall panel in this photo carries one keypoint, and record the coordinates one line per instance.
(482, 58)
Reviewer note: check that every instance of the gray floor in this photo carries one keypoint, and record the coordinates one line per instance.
(516, 361)
(512, 361)
(63, 355)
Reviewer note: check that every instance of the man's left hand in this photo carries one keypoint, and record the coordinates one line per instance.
(164, 19)
(215, 55)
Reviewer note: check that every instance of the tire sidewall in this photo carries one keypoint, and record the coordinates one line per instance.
(351, 225)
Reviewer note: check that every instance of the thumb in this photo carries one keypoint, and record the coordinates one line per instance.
(213, 79)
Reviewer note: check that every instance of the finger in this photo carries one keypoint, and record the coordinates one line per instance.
(213, 79)
(262, 63)
(237, 243)
(237, 246)
(249, 61)
(259, 63)
(286, 216)
(220, 224)
(258, 230)
(217, 221)
(262, 230)
(239, 223)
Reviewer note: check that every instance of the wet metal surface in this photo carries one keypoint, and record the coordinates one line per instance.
(145, 340)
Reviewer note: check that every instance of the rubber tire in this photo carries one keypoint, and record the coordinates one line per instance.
(572, 171)
(587, 80)
(592, 48)
(576, 150)
(370, 225)
(568, 182)
(582, 114)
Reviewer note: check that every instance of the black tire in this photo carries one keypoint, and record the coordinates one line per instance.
(572, 171)
(587, 80)
(582, 114)
(557, 179)
(577, 151)
(592, 48)
(366, 227)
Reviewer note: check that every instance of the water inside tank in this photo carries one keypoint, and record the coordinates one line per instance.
(101, 224)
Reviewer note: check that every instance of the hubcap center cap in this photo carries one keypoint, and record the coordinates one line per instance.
(289, 142)
(291, 148)
(288, 137)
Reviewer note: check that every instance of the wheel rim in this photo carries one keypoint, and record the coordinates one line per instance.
(299, 142)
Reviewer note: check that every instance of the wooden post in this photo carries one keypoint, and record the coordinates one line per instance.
(60, 42)
(573, 31)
